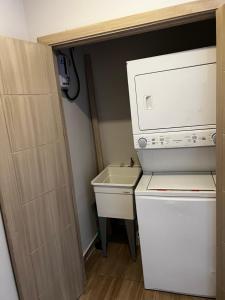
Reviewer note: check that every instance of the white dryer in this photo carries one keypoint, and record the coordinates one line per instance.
(173, 110)
(177, 226)
(172, 99)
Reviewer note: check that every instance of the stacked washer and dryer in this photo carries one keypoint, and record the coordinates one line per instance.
(173, 110)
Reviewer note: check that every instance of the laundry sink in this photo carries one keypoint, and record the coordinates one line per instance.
(116, 176)
(114, 191)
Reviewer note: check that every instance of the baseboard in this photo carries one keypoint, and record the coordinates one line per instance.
(90, 248)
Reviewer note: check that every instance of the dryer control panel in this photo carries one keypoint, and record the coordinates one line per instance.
(196, 138)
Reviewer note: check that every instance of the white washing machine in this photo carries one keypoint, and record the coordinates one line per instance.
(177, 226)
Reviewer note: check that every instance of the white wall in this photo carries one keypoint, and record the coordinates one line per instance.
(50, 16)
(7, 283)
(82, 154)
(12, 19)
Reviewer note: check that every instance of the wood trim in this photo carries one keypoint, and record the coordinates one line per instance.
(91, 248)
(220, 145)
(156, 19)
(93, 111)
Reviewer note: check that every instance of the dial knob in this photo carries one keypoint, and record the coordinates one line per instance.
(142, 142)
(214, 138)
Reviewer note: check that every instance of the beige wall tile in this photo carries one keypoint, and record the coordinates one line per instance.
(47, 216)
(40, 170)
(61, 267)
(35, 192)
(31, 120)
(25, 67)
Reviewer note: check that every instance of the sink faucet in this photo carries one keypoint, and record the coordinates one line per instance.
(131, 162)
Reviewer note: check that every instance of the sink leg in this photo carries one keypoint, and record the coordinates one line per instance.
(103, 234)
(131, 234)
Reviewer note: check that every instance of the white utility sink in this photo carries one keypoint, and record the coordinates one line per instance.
(114, 191)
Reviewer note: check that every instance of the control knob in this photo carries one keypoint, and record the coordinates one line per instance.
(214, 138)
(142, 142)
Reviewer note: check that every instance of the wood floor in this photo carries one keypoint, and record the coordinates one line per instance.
(118, 277)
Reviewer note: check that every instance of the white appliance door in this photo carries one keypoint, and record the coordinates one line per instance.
(178, 244)
(177, 98)
(7, 284)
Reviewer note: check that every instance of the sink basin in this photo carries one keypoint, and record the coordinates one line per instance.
(115, 176)
(114, 191)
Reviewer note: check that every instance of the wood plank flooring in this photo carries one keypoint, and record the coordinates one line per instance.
(118, 277)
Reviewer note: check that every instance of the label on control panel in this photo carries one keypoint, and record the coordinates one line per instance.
(197, 138)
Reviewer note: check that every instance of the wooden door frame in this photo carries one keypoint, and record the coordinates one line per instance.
(136, 24)
(220, 208)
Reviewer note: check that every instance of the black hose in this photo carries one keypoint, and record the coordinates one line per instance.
(72, 98)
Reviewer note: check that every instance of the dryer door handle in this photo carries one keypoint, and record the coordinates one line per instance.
(148, 102)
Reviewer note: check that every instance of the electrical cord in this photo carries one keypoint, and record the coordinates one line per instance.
(72, 98)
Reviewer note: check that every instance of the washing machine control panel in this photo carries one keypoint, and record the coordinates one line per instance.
(180, 139)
